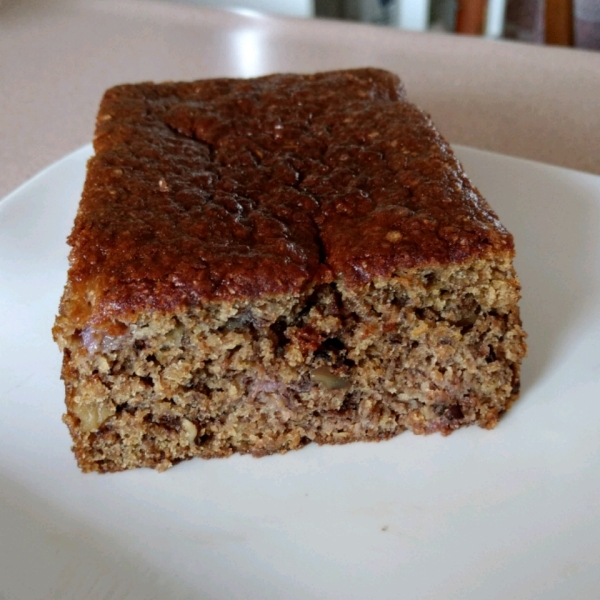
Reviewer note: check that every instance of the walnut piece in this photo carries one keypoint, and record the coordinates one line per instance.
(190, 430)
(92, 416)
(325, 377)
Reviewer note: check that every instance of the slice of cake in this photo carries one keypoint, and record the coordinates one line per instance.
(259, 264)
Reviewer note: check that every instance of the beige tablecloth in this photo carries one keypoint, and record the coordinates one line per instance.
(58, 56)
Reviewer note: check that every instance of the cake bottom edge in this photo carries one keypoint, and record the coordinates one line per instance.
(128, 442)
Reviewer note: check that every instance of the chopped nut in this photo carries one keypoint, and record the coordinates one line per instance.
(159, 409)
(118, 172)
(105, 117)
(332, 382)
(419, 330)
(175, 336)
(92, 416)
(190, 430)
(393, 236)
(162, 185)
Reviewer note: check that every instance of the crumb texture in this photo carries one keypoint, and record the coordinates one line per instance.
(260, 264)
(426, 351)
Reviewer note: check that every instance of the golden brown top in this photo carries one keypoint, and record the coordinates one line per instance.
(232, 188)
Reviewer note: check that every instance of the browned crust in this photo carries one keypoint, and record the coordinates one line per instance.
(225, 189)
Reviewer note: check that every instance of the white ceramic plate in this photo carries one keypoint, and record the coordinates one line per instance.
(509, 513)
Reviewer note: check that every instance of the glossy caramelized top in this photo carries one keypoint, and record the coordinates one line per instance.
(233, 188)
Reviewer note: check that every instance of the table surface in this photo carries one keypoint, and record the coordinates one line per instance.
(58, 56)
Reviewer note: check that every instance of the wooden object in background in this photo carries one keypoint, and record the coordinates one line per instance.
(559, 22)
(470, 16)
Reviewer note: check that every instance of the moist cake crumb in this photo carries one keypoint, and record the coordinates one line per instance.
(258, 264)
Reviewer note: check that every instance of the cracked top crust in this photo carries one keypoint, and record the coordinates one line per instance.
(231, 188)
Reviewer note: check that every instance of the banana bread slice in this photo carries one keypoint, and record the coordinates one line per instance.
(259, 264)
